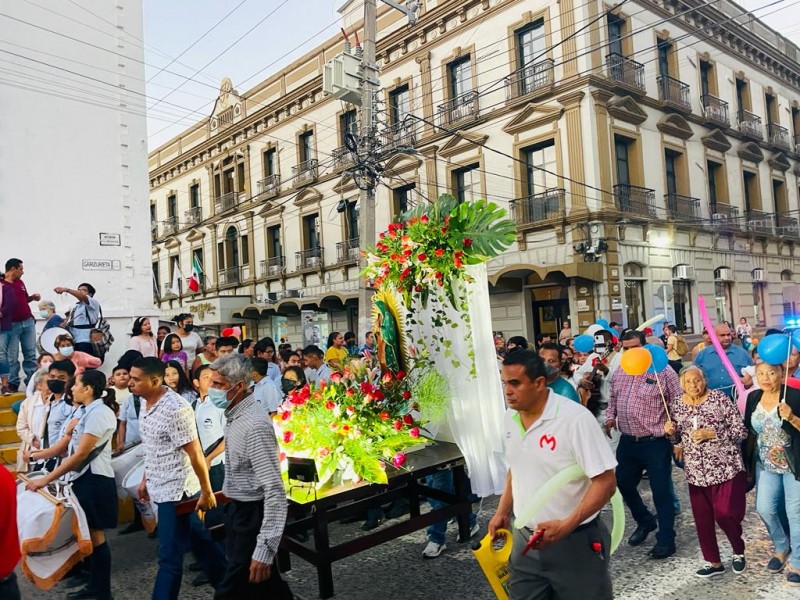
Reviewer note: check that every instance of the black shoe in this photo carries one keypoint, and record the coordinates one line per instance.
(86, 593)
(659, 551)
(371, 523)
(710, 571)
(201, 579)
(78, 580)
(640, 534)
(132, 528)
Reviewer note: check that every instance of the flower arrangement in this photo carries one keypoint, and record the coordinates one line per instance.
(423, 256)
(359, 420)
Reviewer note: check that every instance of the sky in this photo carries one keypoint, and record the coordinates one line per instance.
(273, 33)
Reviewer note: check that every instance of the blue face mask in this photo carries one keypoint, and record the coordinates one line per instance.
(66, 351)
(219, 398)
(44, 314)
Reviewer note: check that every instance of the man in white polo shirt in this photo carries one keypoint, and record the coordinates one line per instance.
(544, 434)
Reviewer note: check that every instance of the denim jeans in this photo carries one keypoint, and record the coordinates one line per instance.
(23, 333)
(176, 535)
(442, 480)
(5, 337)
(778, 505)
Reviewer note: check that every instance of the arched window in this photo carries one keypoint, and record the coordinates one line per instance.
(787, 275)
(723, 294)
(228, 257)
(682, 297)
(634, 294)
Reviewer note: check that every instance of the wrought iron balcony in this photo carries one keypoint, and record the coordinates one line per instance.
(626, 71)
(193, 216)
(226, 202)
(269, 187)
(779, 136)
(348, 251)
(787, 226)
(530, 79)
(635, 200)
(342, 158)
(724, 217)
(169, 226)
(273, 267)
(673, 91)
(305, 173)
(169, 292)
(310, 259)
(750, 124)
(153, 229)
(760, 222)
(459, 108)
(401, 135)
(230, 276)
(545, 206)
(715, 110)
(682, 208)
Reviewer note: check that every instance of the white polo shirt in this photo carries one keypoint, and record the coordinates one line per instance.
(268, 394)
(210, 425)
(566, 434)
(100, 421)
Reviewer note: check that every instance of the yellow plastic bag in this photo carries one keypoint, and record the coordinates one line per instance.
(494, 562)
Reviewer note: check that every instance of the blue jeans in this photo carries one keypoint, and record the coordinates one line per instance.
(5, 337)
(778, 505)
(23, 333)
(176, 535)
(442, 480)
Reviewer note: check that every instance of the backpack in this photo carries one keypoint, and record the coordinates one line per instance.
(682, 347)
(101, 325)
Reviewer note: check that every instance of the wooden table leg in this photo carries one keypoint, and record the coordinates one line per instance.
(413, 499)
(322, 548)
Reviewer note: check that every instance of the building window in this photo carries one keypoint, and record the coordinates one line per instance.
(682, 298)
(311, 232)
(460, 77)
(467, 183)
(156, 281)
(540, 166)
(752, 199)
(274, 247)
(530, 50)
(796, 125)
(240, 176)
(172, 206)
(228, 254)
(153, 218)
(351, 220)
(723, 295)
(175, 275)
(270, 158)
(742, 97)
(347, 124)
(779, 198)
(664, 51)
(671, 171)
(197, 257)
(245, 253)
(399, 104)
(759, 303)
(306, 146)
(623, 164)
(771, 103)
(616, 31)
(787, 275)
(708, 79)
(717, 185)
(634, 294)
(194, 195)
(402, 199)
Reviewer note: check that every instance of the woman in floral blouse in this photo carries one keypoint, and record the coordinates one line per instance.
(772, 418)
(708, 431)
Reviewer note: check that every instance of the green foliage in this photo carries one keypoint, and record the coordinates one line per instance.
(486, 225)
(432, 391)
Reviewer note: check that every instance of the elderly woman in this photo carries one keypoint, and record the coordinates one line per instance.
(65, 350)
(32, 418)
(708, 432)
(772, 418)
(47, 311)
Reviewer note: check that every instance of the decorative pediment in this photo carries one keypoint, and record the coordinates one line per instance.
(716, 140)
(308, 196)
(172, 242)
(676, 125)
(345, 185)
(626, 109)
(401, 163)
(465, 140)
(196, 234)
(533, 116)
(779, 162)
(271, 210)
(229, 108)
(750, 151)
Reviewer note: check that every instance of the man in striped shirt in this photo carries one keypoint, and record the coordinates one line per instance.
(256, 516)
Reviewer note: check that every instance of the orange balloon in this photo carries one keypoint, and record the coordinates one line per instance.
(635, 361)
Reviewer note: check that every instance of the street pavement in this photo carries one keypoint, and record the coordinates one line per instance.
(396, 570)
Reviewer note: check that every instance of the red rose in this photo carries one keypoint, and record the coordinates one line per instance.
(422, 256)
(378, 395)
(407, 252)
(457, 262)
(444, 229)
(384, 416)
(406, 395)
(400, 375)
(399, 459)
(398, 425)
(288, 436)
(424, 218)
(350, 392)
(330, 405)
(366, 387)
(439, 252)
(285, 415)
(335, 377)
(387, 377)
(418, 288)
(406, 272)
(408, 419)
(345, 428)
(467, 242)
(350, 410)
(414, 432)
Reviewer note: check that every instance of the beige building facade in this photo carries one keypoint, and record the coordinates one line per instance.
(647, 154)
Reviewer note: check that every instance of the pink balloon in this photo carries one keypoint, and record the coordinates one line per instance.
(741, 393)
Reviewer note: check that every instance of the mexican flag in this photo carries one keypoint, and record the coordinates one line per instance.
(197, 275)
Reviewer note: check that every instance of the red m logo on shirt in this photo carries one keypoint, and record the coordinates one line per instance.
(549, 440)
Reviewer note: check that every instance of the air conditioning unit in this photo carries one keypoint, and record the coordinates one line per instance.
(354, 253)
(313, 262)
(274, 270)
(291, 294)
(724, 274)
(682, 272)
(272, 297)
(341, 78)
(759, 275)
(719, 218)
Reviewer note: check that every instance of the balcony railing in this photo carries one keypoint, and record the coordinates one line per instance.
(761, 222)
(529, 79)
(787, 226)
(625, 71)
(635, 200)
(309, 259)
(459, 108)
(193, 216)
(545, 206)
(673, 91)
(724, 217)
(169, 292)
(779, 136)
(273, 267)
(230, 276)
(715, 110)
(226, 202)
(153, 229)
(169, 226)
(348, 251)
(342, 158)
(401, 135)
(750, 124)
(269, 186)
(682, 208)
(306, 172)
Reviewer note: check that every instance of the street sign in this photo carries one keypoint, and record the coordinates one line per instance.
(99, 264)
(110, 239)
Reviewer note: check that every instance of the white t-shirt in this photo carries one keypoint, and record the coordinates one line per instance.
(566, 434)
(210, 426)
(268, 394)
(127, 414)
(100, 421)
(192, 344)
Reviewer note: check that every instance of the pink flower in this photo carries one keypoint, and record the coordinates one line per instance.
(387, 377)
(288, 436)
(414, 432)
(424, 219)
(282, 456)
(335, 377)
(399, 459)
(324, 451)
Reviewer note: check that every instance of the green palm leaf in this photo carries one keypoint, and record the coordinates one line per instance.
(486, 225)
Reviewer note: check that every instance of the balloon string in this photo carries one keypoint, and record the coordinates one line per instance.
(663, 398)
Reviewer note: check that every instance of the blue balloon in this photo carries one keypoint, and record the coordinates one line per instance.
(584, 343)
(795, 339)
(604, 324)
(774, 349)
(660, 360)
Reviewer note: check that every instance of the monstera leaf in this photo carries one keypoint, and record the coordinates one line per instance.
(438, 210)
(486, 225)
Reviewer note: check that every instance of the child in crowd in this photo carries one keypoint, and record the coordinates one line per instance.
(173, 350)
(175, 379)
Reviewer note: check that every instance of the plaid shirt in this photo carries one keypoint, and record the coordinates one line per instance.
(636, 404)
